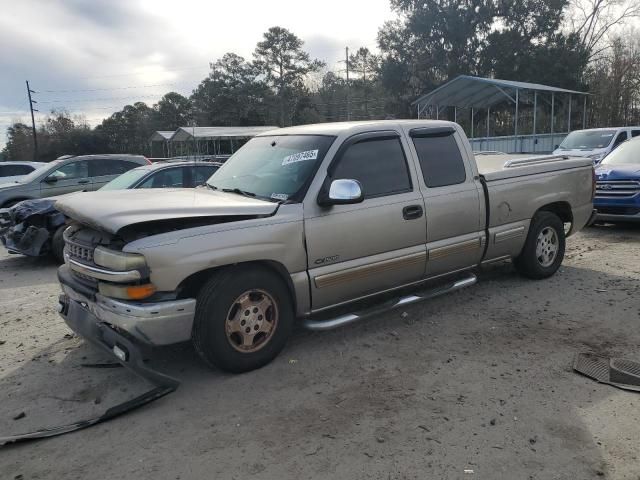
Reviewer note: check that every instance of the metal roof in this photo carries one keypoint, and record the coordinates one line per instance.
(214, 133)
(466, 91)
(161, 135)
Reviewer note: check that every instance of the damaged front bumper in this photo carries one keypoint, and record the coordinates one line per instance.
(28, 227)
(151, 324)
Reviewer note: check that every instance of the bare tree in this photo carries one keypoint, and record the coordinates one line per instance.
(594, 20)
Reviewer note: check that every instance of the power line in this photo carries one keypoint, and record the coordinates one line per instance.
(108, 89)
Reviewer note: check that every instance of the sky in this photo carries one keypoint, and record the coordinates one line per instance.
(92, 57)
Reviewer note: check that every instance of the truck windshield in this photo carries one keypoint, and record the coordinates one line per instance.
(626, 154)
(273, 167)
(587, 139)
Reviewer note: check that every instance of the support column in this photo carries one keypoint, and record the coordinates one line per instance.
(455, 114)
(569, 116)
(584, 114)
(437, 112)
(516, 119)
(488, 119)
(471, 122)
(553, 115)
(535, 118)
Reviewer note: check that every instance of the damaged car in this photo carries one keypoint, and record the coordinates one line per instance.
(35, 227)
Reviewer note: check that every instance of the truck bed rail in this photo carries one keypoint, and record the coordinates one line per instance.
(525, 162)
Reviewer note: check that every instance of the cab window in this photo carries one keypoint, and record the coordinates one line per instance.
(379, 164)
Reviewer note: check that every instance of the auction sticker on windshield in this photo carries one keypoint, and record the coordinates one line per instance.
(300, 157)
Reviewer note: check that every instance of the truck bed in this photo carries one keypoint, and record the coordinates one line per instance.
(501, 166)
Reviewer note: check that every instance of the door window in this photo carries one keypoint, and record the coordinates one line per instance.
(12, 170)
(379, 164)
(167, 178)
(106, 167)
(71, 171)
(635, 133)
(622, 136)
(202, 173)
(440, 160)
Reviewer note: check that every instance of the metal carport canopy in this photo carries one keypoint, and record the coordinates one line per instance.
(183, 134)
(475, 92)
(161, 135)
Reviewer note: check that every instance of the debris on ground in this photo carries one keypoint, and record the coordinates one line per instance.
(617, 372)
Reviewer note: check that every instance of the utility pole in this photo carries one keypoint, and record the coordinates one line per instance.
(348, 93)
(33, 122)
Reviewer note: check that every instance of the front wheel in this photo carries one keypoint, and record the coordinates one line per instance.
(543, 250)
(244, 317)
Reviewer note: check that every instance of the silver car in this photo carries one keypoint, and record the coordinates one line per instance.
(71, 174)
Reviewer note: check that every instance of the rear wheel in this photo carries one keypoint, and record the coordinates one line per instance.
(543, 250)
(244, 317)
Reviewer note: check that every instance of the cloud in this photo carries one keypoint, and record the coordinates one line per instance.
(93, 57)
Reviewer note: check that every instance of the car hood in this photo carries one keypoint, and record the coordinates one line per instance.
(618, 172)
(112, 210)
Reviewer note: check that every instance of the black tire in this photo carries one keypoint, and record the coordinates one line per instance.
(528, 263)
(214, 304)
(57, 244)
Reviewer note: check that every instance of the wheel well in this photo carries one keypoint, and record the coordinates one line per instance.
(561, 209)
(191, 285)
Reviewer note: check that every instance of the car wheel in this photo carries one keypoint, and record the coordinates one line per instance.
(543, 250)
(57, 244)
(244, 317)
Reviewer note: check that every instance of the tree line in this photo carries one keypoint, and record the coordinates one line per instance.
(573, 44)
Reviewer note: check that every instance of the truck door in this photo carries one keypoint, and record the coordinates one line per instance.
(360, 249)
(454, 201)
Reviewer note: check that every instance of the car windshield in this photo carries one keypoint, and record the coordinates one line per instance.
(588, 139)
(627, 153)
(272, 167)
(126, 180)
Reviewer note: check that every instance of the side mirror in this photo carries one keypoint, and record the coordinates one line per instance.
(341, 192)
(556, 147)
(51, 179)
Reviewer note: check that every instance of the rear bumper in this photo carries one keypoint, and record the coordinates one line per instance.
(153, 324)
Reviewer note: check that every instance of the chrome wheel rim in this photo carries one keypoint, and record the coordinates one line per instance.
(547, 246)
(251, 321)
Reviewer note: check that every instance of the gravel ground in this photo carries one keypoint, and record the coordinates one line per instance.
(474, 385)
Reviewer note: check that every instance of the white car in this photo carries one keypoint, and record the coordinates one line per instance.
(10, 171)
(595, 143)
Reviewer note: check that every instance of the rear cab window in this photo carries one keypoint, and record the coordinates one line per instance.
(439, 156)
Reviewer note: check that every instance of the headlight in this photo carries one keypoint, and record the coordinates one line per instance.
(118, 261)
(126, 292)
(597, 158)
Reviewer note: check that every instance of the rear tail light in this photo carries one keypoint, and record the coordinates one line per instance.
(593, 182)
(149, 162)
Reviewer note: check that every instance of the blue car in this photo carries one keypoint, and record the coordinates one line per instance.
(618, 184)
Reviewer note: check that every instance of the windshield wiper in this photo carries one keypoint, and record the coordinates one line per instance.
(239, 192)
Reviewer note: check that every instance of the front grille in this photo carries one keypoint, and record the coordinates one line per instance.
(617, 188)
(79, 252)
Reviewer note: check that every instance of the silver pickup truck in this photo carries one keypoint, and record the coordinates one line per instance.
(323, 223)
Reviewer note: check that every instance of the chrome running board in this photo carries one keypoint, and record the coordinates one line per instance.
(346, 319)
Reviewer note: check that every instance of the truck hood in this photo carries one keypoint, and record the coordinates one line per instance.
(618, 172)
(112, 210)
